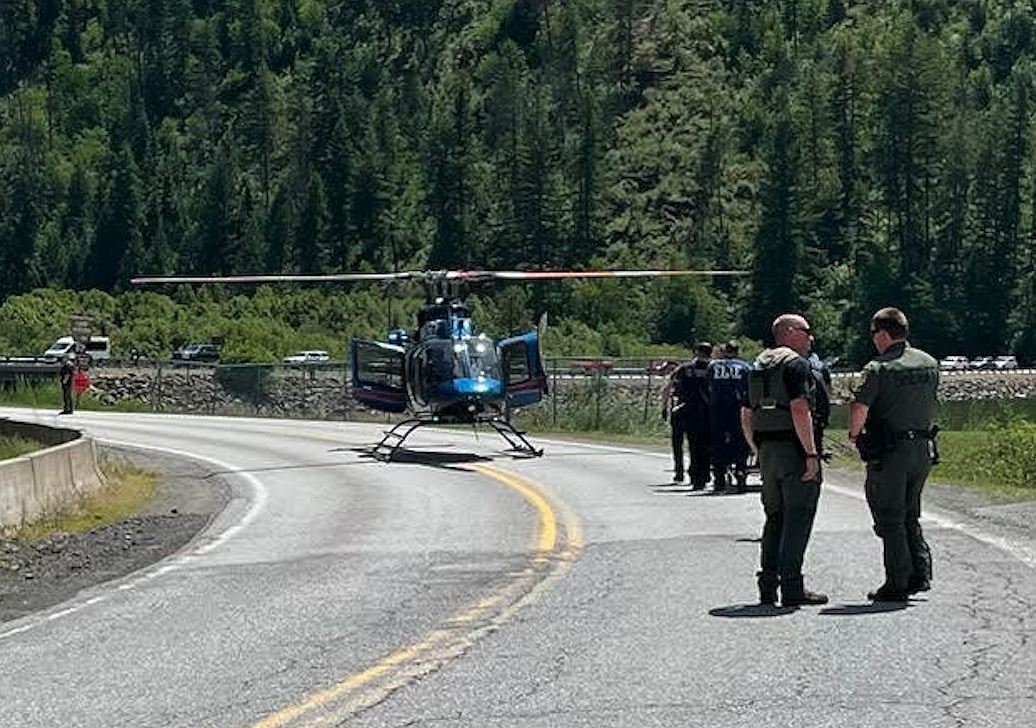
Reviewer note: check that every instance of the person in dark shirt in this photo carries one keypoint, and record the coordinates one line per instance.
(728, 392)
(66, 374)
(778, 423)
(685, 399)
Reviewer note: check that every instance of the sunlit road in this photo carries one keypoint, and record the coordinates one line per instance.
(570, 590)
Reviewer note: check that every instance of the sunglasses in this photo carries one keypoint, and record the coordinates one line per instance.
(804, 329)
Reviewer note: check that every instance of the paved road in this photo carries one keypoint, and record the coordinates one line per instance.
(452, 591)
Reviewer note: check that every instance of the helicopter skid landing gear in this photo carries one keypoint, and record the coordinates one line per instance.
(516, 439)
(393, 439)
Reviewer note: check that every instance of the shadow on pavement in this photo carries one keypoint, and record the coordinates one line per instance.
(741, 611)
(433, 458)
(848, 610)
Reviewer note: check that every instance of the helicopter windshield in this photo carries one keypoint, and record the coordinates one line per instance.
(474, 358)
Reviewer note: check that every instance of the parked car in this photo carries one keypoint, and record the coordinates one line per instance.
(1005, 363)
(662, 366)
(98, 348)
(954, 363)
(981, 362)
(313, 356)
(197, 352)
(591, 366)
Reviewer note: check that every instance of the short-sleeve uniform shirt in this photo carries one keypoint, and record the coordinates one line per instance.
(900, 387)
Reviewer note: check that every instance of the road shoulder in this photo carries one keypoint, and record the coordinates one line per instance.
(38, 574)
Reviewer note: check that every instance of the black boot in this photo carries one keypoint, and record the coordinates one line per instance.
(793, 594)
(885, 593)
(768, 583)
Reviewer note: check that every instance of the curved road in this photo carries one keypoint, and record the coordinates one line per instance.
(465, 588)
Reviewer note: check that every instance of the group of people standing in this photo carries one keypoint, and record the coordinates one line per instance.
(702, 399)
(777, 408)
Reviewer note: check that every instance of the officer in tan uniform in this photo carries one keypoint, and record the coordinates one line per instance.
(890, 422)
(778, 424)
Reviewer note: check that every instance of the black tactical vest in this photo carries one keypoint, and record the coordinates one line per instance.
(767, 394)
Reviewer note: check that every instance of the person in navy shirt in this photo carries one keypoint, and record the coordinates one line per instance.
(728, 393)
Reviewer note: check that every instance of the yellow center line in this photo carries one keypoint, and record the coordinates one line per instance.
(461, 631)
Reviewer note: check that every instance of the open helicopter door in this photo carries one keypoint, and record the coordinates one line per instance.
(524, 379)
(377, 370)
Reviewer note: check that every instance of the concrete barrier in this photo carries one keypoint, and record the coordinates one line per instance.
(49, 482)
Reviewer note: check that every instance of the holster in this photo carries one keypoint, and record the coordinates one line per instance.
(933, 446)
(873, 442)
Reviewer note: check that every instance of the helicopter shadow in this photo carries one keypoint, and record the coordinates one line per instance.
(429, 458)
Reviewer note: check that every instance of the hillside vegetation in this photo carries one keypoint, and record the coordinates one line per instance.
(850, 154)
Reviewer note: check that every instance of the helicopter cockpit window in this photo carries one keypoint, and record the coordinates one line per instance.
(380, 367)
(517, 365)
(440, 361)
(476, 357)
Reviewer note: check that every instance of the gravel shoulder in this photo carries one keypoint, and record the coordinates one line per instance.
(38, 574)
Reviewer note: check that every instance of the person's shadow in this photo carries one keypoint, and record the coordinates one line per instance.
(850, 610)
(750, 611)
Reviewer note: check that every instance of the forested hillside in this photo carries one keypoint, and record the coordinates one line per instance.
(851, 154)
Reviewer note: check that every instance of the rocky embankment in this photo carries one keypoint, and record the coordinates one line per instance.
(955, 387)
(263, 391)
(324, 393)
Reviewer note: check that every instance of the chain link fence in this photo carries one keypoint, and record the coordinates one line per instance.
(619, 396)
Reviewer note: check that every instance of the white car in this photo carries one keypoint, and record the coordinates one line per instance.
(1004, 363)
(954, 363)
(307, 357)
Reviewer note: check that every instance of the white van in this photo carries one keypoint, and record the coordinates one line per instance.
(99, 347)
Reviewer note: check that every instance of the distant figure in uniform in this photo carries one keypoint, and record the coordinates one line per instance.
(685, 398)
(728, 393)
(778, 423)
(66, 374)
(822, 398)
(890, 421)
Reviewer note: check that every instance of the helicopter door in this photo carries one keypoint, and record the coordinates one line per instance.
(378, 375)
(524, 379)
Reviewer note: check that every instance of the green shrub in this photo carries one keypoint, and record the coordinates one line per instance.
(1011, 453)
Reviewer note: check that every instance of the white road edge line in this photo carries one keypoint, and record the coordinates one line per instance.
(174, 561)
(1021, 552)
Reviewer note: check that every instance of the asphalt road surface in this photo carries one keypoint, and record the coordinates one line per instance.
(464, 588)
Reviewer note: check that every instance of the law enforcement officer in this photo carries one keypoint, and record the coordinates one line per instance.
(66, 374)
(778, 423)
(890, 420)
(686, 396)
(728, 392)
(821, 398)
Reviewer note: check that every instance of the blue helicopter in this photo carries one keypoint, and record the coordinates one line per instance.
(447, 372)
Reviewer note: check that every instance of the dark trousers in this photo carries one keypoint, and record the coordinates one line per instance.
(66, 396)
(729, 451)
(894, 486)
(790, 505)
(697, 445)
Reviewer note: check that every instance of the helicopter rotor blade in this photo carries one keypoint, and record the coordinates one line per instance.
(329, 278)
(517, 275)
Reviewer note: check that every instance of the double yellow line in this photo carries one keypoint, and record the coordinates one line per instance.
(557, 545)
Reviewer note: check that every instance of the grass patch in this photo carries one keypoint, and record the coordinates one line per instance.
(972, 459)
(654, 442)
(129, 489)
(12, 446)
(43, 395)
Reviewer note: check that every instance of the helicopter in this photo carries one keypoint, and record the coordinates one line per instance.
(447, 372)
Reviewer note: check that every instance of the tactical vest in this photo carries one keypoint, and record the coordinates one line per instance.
(767, 394)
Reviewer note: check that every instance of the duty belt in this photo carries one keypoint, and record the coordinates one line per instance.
(914, 435)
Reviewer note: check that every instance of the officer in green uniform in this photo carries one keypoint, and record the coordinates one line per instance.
(890, 421)
(778, 424)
